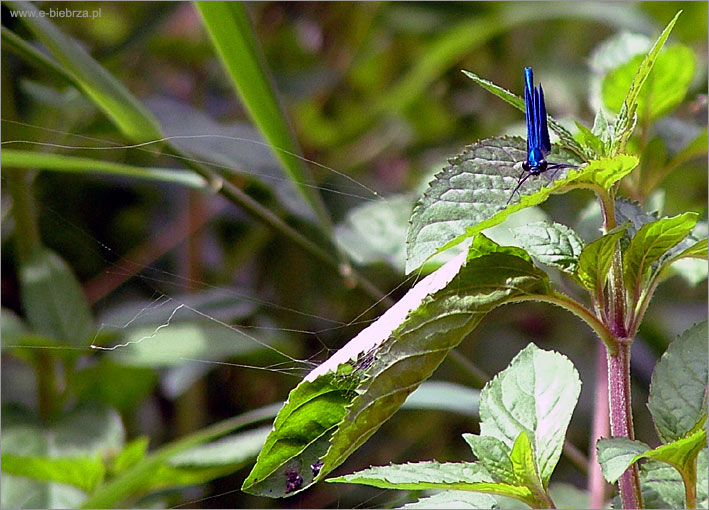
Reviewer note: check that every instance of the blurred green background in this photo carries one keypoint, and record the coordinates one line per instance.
(374, 95)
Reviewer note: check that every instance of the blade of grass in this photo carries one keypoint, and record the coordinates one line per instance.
(230, 30)
(129, 115)
(72, 164)
(24, 49)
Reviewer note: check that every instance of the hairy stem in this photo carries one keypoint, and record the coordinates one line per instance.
(618, 355)
(622, 418)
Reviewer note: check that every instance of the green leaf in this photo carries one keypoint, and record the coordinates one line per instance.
(628, 210)
(524, 466)
(54, 303)
(434, 475)
(535, 394)
(602, 130)
(618, 454)
(232, 449)
(86, 432)
(73, 164)
(663, 487)
(699, 250)
(678, 389)
(82, 472)
(232, 35)
(207, 462)
(366, 381)
(552, 244)
(617, 49)
(444, 396)
(131, 454)
(595, 261)
(593, 144)
(12, 328)
(453, 499)
(494, 454)
(625, 122)
(696, 148)
(565, 495)
(418, 475)
(24, 49)
(665, 88)
(651, 242)
(109, 94)
(565, 137)
(376, 232)
(680, 453)
(471, 194)
(181, 341)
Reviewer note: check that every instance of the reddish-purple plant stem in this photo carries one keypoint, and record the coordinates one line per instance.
(618, 355)
(622, 417)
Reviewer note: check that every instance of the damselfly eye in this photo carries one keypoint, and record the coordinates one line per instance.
(525, 166)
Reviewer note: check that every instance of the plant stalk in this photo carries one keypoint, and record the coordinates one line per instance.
(23, 210)
(618, 356)
(622, 418)
(689, 477)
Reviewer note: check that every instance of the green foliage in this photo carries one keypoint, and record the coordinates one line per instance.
(53, 300)
(666, 87)
(471, 193)
(401, 349)
(129, 115)
(595, 261)
(553, 244)
(663, 487)
(366, 102)
(520, 441)
(66, 452)
(72, 164)
(678, 390)
(512, 404)
(113, 384)
(376, 232)
(453, 499)
(82, 472)
(625, 122)
(651, 242)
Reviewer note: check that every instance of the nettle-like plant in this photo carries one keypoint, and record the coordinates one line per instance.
(525, 410)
